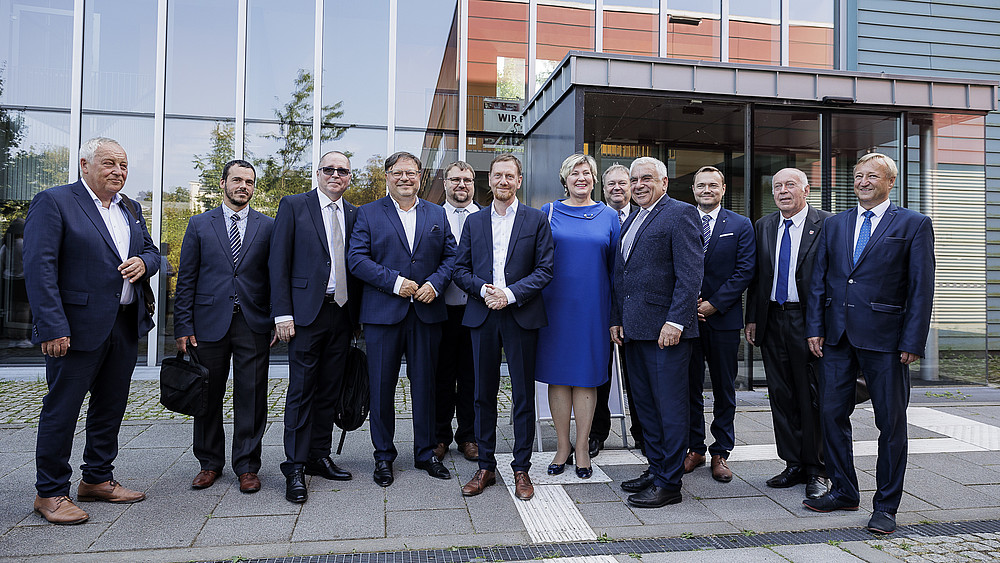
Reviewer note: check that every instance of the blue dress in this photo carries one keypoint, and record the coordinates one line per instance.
(574, 349)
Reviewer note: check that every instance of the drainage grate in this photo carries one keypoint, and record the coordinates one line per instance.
(638, 546)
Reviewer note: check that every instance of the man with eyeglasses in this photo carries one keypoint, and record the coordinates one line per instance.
(315, 302)
(403, 250)
(456, 378)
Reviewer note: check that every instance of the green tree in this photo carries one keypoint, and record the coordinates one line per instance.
(11, 134)
(368, 182)
(211, 164)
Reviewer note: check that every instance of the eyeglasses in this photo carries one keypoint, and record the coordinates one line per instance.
(457, 181)
(410, 174)
(330, 171)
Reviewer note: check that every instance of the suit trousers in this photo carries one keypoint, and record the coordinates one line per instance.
(106, 373)
(601, 428)
(386, 345)
(250, 353)
(660, 380)
(500, 330)
(316, 358)
(456, 381)
(791, 391)
(889, 386)
(719, 349)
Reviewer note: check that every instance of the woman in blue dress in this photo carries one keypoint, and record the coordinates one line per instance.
(574, 349)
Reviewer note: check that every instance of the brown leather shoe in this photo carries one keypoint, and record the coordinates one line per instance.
(204, 479)
(693, 459)
(440, 450)
(249, 482)
(59, 510)
(720, 469)
(108, 491)
(523, 489)
(470, 450)
(482, 479)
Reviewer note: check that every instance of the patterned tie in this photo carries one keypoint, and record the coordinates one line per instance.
(706, 232)
(866, 233)
(621, 217)
(235, 242)
(633, 229)
(784, 260)
(337, 253)
(463, 214)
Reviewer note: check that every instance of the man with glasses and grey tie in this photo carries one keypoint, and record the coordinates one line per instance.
(456, 375)
(316, 303)
(223, 310)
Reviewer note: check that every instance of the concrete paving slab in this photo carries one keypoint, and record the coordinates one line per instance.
(418, 523)
(608, 515)
(45, 539)
(743, 555)
(810, 553)
(867, 553)
(414, 489)
(582, 494)
(339, 515)
(944, 464)
(269, 501)
(177, 523)
(750, 509)
(943, 492)
(246, 530)
(699, 483)
(688, 512)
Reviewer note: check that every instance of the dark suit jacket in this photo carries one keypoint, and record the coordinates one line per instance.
(759, 293)
(300, 262)
(208, 279)
(71, 267)
(662, 277)
(729, 267)
(379, 254)
(882, 303)
(527, 271)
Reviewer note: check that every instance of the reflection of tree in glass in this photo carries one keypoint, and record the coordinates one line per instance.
(367, 182)
(11, 134)
(210, 165)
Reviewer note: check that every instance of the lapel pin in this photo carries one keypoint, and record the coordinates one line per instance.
(811, 232)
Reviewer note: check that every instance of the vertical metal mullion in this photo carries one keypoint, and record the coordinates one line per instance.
(748, 148)
(76, 93)
(242, 21)
(599, 26)
(664, 21)
(317, 118)
(784, 37)
(724, 31)
(826, 158)
(153, 342)
(463, 78)
(390, 141)
(529, 81)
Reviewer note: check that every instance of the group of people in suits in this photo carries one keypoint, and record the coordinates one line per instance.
(456, 287)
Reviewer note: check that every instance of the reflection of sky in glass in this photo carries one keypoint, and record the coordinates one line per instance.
(119, 55)
(769, 9)
(424, 29)
(201, 57)
(188, 139)
(362, 144)
(636, 5)
(260, 147)
(355, 58)
(280, 42)
(813, 11)
(135, 135)
(41, 159)
(699, 6)
(36, 51)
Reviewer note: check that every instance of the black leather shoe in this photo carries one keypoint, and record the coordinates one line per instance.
(829, 503)
(383, 473)
(594, 446)
(817, 486)
(639, 484)
(791, 476)
(295, 487)
(654, 497)
(882, 523)
(326, 468)
(433, 467)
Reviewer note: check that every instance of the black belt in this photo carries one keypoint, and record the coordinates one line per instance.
(125, 307)
(787, 306)
(236, 308)
(329, 298)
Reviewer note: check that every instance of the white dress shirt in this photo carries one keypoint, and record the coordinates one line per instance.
(713, 216)
(241, 225)
(879, 210)
(452, 294)
(502, 226)
(409, 220)
(116, 219)
(795, 235)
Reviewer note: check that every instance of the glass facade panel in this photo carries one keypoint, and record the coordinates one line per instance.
(631, 27)
(436, 150)
(36, 52)
(810, 34)
(282, 155)
(201, 61)
(852, 135)
(427, 64)
(366, 149)
(694, 30)
(785, 139)
(356, 44)
(280, 47)
(562, 27)
(119, 55)
(755, 32)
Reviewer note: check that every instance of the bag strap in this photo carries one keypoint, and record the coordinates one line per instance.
(552, 206)
(191, 354)
(128, 205)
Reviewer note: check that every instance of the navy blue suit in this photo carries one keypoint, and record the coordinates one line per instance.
(729, 267)
(379, 253)
(868, 313)
(528, 269)
(74, 287)
(299, 267)
(659, 283)
(208, 284)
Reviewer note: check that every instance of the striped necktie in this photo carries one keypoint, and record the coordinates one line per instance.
(235, 242)
(706, 232)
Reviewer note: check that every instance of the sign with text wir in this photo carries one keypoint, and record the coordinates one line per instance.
(502, 116)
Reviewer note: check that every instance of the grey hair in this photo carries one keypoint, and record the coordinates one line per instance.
(613, 168)
(90, 146)
(661, 168)
(795, 172)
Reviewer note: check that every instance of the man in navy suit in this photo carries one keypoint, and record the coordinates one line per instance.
(315, 302)
(403, 250)
(786, 251)
(728, 243)
(505, 260)
(85, 255)
(869, 308)
(654, 315)
(223, 309)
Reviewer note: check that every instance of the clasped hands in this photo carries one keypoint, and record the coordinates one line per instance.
(495, 297)
(424, 293)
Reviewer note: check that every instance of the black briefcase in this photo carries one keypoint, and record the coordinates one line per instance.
(184, 384)
(351, 407)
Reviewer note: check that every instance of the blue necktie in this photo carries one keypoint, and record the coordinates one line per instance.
(784, 258)
(706, 232)
(864, 235)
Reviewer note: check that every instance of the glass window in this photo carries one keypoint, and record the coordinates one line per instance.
(785, 139)
(366, 149)
(562, 27)
(282, 155)
(355, 44)
(119, 55)
(852, 136)
(810, 34)
(427, 64)
(498, 47)
(436, 150)
(280, 46)
(201, 57)
(36, 52)
(631, 27)
(755, 32)
(694, 28)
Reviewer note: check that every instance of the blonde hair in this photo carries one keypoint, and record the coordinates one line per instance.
(574, 160)
(887, 164)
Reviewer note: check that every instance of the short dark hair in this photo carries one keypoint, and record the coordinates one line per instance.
(402, 155)
(461, 165)
(712, 170)
(507, 157)
(238, 162)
